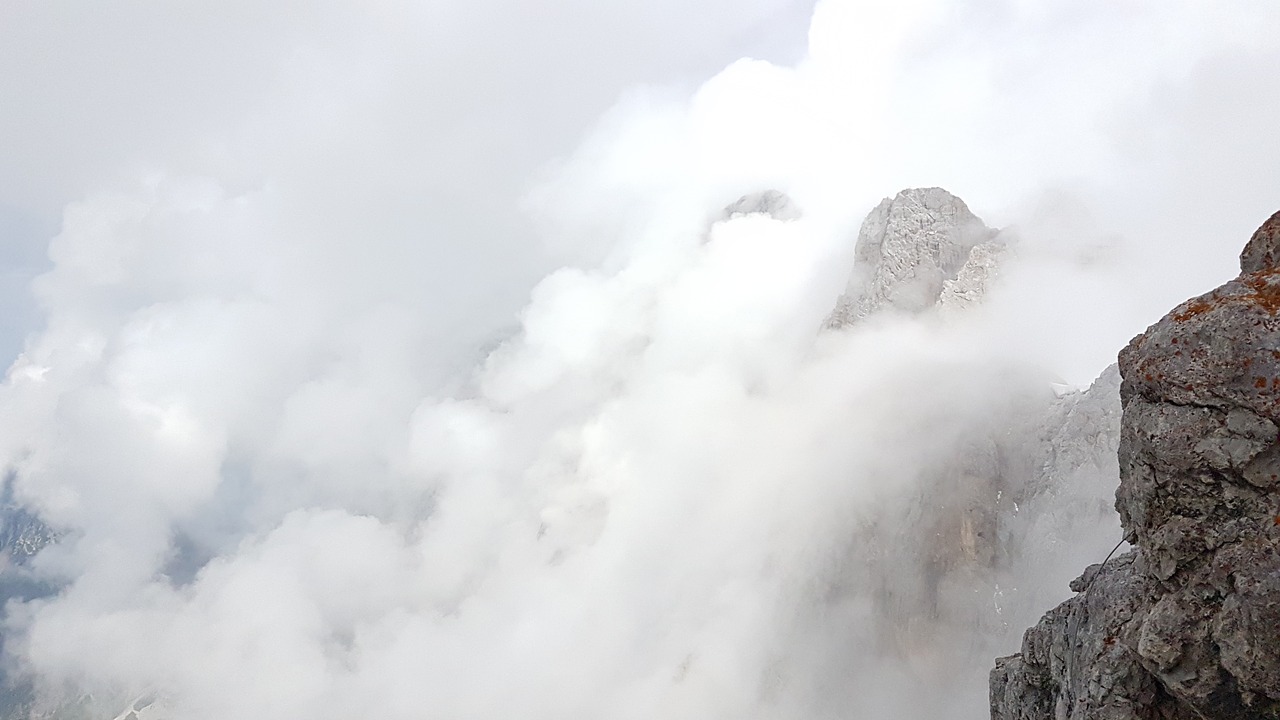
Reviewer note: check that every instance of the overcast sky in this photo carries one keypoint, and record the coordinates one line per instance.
(428, 118)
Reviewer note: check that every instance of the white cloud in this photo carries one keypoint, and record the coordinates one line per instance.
(290, 235)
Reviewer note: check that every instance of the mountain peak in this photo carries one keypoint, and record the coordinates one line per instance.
(909, 249)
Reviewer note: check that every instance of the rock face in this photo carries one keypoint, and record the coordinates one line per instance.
(910, 248)
(1026, 484)
(1187, 625)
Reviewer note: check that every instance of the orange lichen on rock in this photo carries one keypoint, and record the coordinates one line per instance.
(1263, 291)
(1193, 307)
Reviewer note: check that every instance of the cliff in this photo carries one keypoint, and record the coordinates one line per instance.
(1187, 624)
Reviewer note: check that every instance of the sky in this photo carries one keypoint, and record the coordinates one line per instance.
(387, 356)
(432, 117)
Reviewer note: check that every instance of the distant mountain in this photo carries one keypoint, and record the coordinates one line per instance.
(22, 536)
(1021, 487)
(916, 250)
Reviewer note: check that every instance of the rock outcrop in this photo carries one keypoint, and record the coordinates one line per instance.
(1187, 624)
(910, 249)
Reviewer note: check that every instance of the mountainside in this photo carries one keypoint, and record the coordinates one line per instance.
(1022, 486)
(1186, 625)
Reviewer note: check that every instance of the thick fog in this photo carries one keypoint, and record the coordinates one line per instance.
(394, 360)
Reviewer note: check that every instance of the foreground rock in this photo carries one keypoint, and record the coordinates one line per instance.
(1187, 625)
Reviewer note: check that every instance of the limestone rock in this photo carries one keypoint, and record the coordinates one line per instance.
(974, 278)
(1061, 673)
(1192, 616)
(909, 247)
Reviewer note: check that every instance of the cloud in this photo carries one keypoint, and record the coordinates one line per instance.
(311, 459)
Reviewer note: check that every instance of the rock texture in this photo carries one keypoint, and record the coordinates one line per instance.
(1187, 625)
(974, 277)
(910, 247)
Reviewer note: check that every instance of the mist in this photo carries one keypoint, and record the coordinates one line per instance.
(400, 361)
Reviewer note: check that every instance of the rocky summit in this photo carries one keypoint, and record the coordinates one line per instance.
(914, 250)
(1187, 623)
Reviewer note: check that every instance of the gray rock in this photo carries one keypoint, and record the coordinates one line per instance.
(777, 205)
(1062, 673)
(908, 248)
(974, 278)
(1188, 624)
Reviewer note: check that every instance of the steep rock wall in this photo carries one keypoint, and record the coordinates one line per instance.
(1187, 625)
